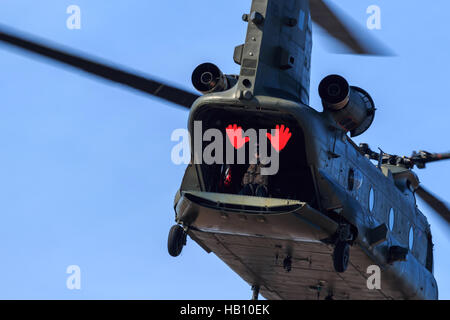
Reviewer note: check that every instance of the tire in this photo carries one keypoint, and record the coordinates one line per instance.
(176, 240)
(341, 256)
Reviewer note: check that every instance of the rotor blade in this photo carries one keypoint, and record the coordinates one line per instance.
(422, 158)
(441, 156)
(425, 157)
(350, 33)
(140, 83)
(434, 202)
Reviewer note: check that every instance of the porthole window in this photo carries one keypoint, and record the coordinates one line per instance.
(351, 179)
(371, 200)
(354, 180)
(411, 238)
(391, 219)
(358, 180)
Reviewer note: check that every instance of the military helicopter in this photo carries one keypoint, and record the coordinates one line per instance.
(330, 212)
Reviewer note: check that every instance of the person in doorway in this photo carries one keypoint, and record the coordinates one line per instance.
(253, 182)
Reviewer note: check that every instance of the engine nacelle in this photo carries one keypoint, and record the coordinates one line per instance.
(207, 78)
(351, 107)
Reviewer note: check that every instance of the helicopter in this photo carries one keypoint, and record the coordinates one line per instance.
(300, 231)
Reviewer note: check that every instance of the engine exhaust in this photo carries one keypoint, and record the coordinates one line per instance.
(208, 78)
(351, 107)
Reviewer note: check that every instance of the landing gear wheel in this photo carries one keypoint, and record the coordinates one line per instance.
(176, 240)
(341, 256)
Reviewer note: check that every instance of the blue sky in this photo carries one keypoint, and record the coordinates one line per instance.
(85, 169)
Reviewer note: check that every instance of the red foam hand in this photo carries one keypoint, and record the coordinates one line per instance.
(235, 134)
(281, 137)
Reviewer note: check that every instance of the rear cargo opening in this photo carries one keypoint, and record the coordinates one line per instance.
(294, 178)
